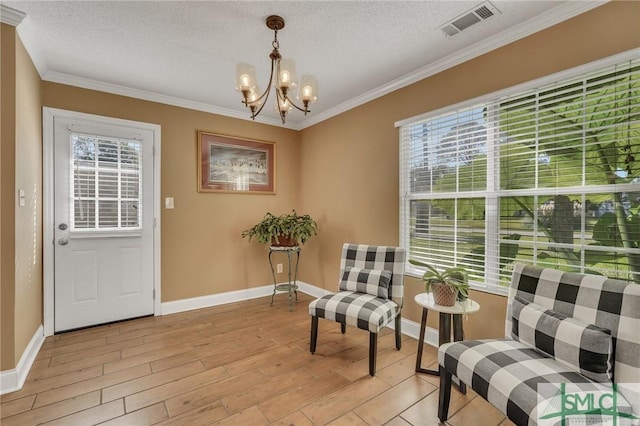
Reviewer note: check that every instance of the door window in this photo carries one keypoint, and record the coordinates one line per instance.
(106, 183)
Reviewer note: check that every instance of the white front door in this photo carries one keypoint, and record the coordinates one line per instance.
(103, 219)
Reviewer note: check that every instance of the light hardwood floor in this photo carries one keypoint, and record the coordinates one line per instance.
(245, 363)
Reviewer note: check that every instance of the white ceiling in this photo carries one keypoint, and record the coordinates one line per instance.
(185, 52)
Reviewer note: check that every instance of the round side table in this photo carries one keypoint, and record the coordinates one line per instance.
(444, 330)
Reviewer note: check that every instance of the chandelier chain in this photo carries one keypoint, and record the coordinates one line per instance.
(282, 80)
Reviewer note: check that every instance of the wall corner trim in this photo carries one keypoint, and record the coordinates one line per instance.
(13, 380)
(11, 16)
(312, 290)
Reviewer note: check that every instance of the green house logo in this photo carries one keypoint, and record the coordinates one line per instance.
(567, 404)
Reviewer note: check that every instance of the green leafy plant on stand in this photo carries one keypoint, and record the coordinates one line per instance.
(284, 230)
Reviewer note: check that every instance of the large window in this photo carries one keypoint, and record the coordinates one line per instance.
(549, 176)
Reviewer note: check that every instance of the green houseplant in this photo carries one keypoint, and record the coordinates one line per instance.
(447, 285)
(284, 230)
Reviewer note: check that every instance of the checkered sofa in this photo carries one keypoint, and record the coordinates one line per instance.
(370, 297)
(543, 349)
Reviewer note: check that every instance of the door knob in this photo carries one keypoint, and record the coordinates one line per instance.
(63, 241)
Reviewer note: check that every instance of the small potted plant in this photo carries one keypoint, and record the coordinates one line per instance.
(447, 286)
(286, 230)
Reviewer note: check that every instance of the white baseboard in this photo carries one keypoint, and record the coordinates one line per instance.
(13, 380)
(208, 301)
(211, 300)
(312, 290)
(410, 328)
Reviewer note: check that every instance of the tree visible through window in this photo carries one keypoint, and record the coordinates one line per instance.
(548, 177)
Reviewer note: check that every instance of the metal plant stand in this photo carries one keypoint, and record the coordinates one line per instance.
(291, 286)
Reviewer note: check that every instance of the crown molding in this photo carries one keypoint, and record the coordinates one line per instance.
(545, 20)
(563, 75)
(11, 16)
(551, 17)
(32, 46)
(116, 89)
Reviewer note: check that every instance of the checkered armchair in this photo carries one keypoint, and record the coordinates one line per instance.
(370, 297)
(577, 329)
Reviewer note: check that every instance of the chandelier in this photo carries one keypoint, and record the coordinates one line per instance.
(284, 73)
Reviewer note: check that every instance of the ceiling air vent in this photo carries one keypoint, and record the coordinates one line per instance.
(479, 13)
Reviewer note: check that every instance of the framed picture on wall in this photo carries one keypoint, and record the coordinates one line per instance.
(230, 164)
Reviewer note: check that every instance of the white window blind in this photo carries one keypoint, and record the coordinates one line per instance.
(548, 176)
(106, 183)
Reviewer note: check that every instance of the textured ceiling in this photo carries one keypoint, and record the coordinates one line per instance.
(185, 52)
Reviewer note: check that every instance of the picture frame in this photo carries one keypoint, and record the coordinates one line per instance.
(235, 165)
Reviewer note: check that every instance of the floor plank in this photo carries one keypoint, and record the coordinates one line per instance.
(94, 351)
(91, 416)
(399, 421)
(96, 383)
(37, 387)
(349, 419)
(16, 406)
(168, 390)
(37, 375)
(293, 419)
(146, 416)
(54, 411)
(425, 411)
(269, 388)
(477, 412)
(251, 416)
(207, 415)
(395, 400)
(342, 401)
(245, 363)
(146, 357)
(288, 402)
(150, 381)
(214, 392)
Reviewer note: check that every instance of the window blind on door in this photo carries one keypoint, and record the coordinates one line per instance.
(106, 183)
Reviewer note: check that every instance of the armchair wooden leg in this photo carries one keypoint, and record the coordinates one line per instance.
(373, 351)
(445, 394)
(343, 327)
(398, 332)
(314, 334)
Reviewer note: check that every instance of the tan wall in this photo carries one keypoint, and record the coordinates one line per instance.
(350, 162)
(28, 244)
(202, 251)
(343, 171)
(7, 195)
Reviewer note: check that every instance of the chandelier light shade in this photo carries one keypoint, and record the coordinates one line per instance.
(283, 79)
